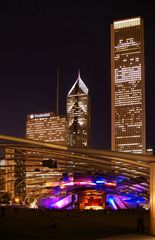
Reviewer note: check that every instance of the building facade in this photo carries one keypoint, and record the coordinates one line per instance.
(49, 128)
(78, 114)
(128, 86)
(46, 127)
(2, 176)
(15, 174)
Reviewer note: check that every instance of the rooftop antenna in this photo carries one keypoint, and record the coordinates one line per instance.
(79, 73)
(57, 102)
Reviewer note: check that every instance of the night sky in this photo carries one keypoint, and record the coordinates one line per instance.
(38, 37)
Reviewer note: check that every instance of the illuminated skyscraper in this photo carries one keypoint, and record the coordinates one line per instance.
(78, 114)
(128, 86)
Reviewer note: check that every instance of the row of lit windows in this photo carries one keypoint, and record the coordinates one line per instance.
(45, 122)
(135, 54)
(48, 130)
(129, 69)
(123, 137)
(125, 45)
(127, 23)
(122, 104)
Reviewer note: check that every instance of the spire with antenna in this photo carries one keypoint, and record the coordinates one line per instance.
(78, 84)
(79, 74)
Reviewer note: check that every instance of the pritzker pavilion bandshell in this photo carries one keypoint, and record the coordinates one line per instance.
(134, 166)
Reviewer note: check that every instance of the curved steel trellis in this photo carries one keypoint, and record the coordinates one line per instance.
(71, 159)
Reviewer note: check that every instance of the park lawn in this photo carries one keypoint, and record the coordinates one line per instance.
(33, 224)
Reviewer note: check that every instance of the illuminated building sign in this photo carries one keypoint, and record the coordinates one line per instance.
(40, 115)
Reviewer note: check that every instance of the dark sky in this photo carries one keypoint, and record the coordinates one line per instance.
(36, 37)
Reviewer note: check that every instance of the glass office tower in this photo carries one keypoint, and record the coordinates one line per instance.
(78, 114)
(128, 86)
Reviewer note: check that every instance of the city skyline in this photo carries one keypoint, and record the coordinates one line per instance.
(34, 42)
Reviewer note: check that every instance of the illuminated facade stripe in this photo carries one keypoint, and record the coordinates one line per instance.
(127, 23)
(128, 86)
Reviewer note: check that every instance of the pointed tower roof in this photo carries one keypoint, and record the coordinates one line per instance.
(78, 87)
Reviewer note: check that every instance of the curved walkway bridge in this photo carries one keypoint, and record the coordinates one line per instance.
(139, 170)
